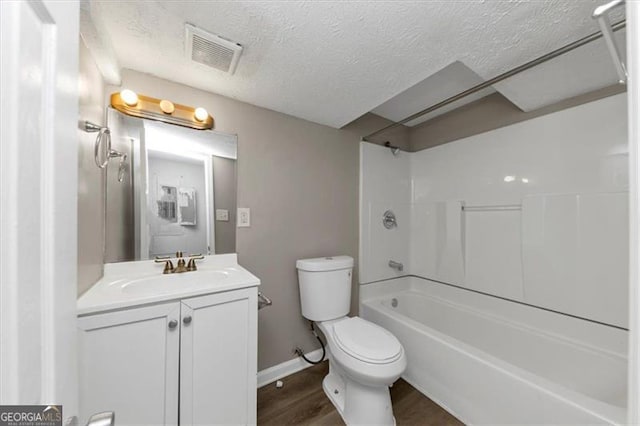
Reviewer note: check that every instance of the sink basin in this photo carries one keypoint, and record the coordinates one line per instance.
(167, 283)
(128, 284)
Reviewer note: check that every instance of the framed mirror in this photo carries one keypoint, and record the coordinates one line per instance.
(175, 192)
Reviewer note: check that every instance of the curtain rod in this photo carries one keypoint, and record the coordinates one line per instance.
(541, 59)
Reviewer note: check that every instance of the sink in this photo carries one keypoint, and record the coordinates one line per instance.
(167, 283)
(142, 282)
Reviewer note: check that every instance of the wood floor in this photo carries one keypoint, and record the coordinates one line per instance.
(301, 401)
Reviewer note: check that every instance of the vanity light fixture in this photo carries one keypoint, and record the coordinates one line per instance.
(201, 114)
(129, 97)
(130, 103)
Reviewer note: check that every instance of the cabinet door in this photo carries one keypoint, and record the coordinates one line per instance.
(218, 359)
(129, 364)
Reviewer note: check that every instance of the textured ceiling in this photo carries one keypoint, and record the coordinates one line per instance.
(332, 61)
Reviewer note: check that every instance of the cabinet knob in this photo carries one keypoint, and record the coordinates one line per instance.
(186, 320)
(173, 324)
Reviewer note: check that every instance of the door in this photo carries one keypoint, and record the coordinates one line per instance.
(633, 90)
(218, 358)
(38, 223)
(129, 364)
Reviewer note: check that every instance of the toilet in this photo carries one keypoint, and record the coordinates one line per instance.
(364, 358)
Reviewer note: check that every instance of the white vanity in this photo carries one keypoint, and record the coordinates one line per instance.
(168, 349)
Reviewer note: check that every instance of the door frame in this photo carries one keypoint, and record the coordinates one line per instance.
(633, 92)
(38, 203)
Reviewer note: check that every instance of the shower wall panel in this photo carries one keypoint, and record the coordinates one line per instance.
(534, 212)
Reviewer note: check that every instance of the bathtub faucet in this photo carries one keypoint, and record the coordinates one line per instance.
(396, 265)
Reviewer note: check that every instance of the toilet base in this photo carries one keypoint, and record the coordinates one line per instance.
(356, 403)
(334, 389)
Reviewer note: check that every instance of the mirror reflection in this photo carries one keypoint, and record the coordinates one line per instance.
(177, 193)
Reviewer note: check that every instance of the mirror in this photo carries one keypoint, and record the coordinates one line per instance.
(175, 192)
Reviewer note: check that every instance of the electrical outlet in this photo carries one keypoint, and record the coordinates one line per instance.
(244, 217)
(222, 215)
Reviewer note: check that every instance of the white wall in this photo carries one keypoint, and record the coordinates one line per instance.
(385, 184)
(633, 64)
(561, 245)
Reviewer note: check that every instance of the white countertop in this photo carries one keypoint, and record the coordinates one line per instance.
(128, 284)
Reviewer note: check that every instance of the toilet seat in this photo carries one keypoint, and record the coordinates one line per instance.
(366, 341)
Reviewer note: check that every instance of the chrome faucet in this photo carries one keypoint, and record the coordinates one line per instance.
(396, 265)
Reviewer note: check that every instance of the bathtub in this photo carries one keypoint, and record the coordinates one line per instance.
(491, 361)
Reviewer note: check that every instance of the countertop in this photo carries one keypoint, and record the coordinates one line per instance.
(129, 284)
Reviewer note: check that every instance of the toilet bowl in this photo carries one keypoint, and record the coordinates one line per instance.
(364, 358)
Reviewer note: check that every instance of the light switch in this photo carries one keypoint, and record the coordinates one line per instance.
(222, 215)
(244, 217)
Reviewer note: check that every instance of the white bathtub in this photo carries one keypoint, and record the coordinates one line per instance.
(491, 361)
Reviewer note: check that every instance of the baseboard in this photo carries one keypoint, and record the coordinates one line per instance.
(271, 374)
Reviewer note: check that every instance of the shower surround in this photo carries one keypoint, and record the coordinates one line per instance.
(531, 216)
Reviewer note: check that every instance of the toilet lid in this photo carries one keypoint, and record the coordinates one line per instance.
(366, 341)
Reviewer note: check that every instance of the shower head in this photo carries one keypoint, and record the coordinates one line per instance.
(394, 149)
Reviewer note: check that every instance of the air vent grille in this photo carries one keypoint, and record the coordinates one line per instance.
(212, 50)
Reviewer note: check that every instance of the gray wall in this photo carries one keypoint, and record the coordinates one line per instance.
(119, 227)
(90, 177)
(224, 197)
(489, 113)
(399, 136)
(300, 180)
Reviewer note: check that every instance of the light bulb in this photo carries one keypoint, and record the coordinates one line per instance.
(201, 114)
(167, 106)
(129, 97)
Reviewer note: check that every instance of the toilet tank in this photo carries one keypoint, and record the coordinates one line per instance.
(325, 287)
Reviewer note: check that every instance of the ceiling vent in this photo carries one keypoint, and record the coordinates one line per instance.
(212, 50)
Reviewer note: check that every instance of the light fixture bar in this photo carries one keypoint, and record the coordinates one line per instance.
(161, 110)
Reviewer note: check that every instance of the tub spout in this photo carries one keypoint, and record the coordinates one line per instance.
(396, 265)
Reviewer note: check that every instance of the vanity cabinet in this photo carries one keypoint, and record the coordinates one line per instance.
(218, 359)
(129, 364)
(191, 361)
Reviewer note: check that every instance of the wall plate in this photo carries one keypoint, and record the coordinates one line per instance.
(222, 215)
(244, 217)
